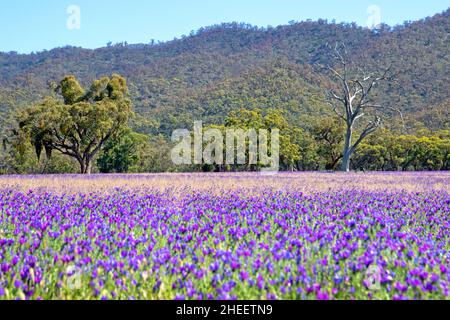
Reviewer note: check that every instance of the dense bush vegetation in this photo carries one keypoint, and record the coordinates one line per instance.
(317, 148)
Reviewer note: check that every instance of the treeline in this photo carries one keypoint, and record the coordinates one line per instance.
(315, 147)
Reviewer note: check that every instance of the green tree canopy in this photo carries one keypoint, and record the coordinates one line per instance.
(123, 153)
(82, 122)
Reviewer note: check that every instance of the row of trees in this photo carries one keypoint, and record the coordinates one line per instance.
(318, 147)
(321, 145)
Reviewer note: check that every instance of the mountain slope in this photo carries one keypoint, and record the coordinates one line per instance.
(219, 68)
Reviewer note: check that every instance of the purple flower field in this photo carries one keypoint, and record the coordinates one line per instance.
(288, 236)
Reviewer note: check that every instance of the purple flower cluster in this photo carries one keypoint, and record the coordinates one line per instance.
(351, 244)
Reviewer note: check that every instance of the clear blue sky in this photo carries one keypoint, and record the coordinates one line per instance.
(34, 25)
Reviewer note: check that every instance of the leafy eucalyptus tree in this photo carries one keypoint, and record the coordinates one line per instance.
(80, 123)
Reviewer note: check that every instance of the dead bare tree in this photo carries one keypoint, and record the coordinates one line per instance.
(352, 98)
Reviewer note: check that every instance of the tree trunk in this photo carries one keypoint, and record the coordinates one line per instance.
(85, 166)
(347, 153)
(346, 162)
(82, 167)
(88, 167)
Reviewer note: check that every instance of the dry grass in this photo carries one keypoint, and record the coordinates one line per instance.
(218, 183)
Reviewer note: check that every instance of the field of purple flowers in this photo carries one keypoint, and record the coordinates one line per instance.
(147, 240)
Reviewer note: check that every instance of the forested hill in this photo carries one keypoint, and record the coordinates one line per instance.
(216, 69)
